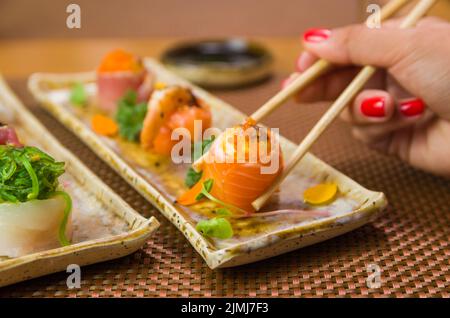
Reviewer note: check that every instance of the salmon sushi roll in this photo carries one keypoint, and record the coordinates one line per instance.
(241, 171)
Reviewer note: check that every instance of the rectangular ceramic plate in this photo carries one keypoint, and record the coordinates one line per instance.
(104, 226)
(161, 181)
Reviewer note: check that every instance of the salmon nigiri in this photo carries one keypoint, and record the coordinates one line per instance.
(118, 73)
(242, 166)
(168, 109)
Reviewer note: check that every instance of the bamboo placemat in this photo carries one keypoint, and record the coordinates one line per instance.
(409, 242)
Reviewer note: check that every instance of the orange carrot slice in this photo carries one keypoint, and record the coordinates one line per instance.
(190, 196)
(103, 125)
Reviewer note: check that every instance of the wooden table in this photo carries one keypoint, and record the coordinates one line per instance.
(19, 58)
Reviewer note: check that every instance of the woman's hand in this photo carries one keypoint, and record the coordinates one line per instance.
(405, 108)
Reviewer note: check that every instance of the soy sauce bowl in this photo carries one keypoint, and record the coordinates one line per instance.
(223, 63)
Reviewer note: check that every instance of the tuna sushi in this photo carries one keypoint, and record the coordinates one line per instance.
(118, 73)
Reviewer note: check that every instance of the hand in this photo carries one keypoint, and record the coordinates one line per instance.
(405, 109)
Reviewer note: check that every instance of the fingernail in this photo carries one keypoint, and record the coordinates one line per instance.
(412, 107)
(373, 107)
(316, 35)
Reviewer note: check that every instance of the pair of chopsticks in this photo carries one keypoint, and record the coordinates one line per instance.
(306, 78)
(315, 71)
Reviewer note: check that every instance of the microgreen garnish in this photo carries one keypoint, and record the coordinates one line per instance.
(206, 188)
(199, 148)
(130, 116)
(216, 227)
(192, 177)
(78, 95)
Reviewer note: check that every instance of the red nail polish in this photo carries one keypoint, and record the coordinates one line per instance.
(316, 35)
(412, 107)
(373, 107)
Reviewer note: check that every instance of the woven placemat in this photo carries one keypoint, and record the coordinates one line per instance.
(409, 242)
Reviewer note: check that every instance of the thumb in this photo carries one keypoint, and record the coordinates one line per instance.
(359, 45)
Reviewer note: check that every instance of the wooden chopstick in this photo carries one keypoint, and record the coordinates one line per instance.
(343, 100)
(315, 71)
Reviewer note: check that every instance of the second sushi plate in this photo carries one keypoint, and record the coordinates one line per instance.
(54, 211)
(288, 222)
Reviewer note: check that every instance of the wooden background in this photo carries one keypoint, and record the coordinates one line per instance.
(180, 18)
(34, 36)
(174, 18)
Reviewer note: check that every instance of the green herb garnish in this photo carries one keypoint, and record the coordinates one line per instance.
(192, 176)
(62, 227)
(130, 116)
(78, 95)
(201, 147)
(27, 173)
(216, 227)
(206, 188)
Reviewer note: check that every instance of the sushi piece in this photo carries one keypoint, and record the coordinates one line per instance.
(170, 108)
(34, 211)
(238, 172)
(32, 226)
(118, 73)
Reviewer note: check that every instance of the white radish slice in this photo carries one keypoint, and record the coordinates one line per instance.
(31, 226)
